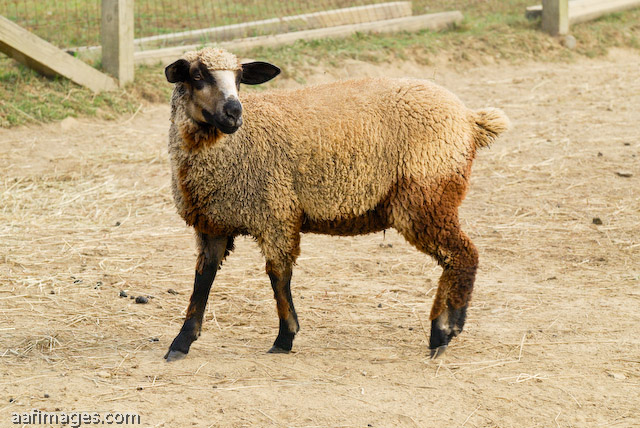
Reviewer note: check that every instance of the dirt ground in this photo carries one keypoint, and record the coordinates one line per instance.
(551, 339)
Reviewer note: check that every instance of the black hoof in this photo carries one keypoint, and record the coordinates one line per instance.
(182, 342)
(277, 350)
(284, 341)
(437, 352)
(174, 356)
(444, 328)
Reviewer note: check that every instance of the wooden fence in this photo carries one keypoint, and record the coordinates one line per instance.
(119, 51)
(558, 15)
(47, 59)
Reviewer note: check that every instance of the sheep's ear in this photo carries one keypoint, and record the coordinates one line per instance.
(254, 73)
(178, 71)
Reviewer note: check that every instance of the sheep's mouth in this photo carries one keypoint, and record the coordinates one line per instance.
(226, 128)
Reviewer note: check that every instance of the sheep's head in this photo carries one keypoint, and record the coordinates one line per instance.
(211, 78)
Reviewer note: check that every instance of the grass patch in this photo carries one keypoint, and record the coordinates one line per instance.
(493, 31)
(493, 36)
(26, 97)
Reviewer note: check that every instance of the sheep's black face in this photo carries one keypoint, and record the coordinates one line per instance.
(213, 94)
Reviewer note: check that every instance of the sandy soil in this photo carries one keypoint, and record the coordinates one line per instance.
(551, 339)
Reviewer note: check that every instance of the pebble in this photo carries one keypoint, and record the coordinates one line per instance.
(46, 395)
(617, 375)
(624, 174)
(123, 293)
(569, 42)
(142, 300)
(172, 291)
(597, 221)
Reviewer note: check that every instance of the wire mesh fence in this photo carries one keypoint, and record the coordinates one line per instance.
(225, 20)
(65, 23)
(74, 23)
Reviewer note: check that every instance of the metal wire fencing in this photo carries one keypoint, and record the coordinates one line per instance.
(65, 23)
(75, 23)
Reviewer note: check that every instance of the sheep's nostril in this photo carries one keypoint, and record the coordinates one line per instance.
(233, 110)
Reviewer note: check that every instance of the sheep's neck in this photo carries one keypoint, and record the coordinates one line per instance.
(196, 136)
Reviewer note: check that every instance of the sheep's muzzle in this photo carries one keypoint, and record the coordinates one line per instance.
(227, 119)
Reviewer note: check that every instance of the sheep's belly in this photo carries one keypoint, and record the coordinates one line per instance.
(371, 221)
(330, 194)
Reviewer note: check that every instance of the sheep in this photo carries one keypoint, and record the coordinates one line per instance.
(344, 158)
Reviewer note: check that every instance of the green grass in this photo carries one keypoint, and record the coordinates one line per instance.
(493, 31)
(501, 34)
(27, 97)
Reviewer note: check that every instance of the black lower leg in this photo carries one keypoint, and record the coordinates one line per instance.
(450, 307)
(193, 323)
(444, 328)
(208, 263)
(289, 326)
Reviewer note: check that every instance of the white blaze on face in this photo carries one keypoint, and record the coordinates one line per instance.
(226, 83)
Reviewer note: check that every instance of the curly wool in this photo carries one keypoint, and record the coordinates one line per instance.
(358, 154)
(214, 59)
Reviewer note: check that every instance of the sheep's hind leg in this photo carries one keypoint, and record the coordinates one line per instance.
(459, 259)
(429, 221)
(281, 284)
(213, 249)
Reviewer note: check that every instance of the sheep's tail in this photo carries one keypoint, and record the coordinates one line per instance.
(489, 123)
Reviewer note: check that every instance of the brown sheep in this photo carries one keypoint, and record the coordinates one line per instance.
(345, 158)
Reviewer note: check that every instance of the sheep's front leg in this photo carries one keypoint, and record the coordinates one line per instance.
(213, 250)
(281, 284)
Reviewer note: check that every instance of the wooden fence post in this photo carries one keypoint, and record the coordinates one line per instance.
(117, 39)
(555, 17)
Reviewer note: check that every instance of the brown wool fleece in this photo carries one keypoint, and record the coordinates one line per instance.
(345, 158)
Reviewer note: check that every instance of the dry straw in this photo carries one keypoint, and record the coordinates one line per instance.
(86, 212)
